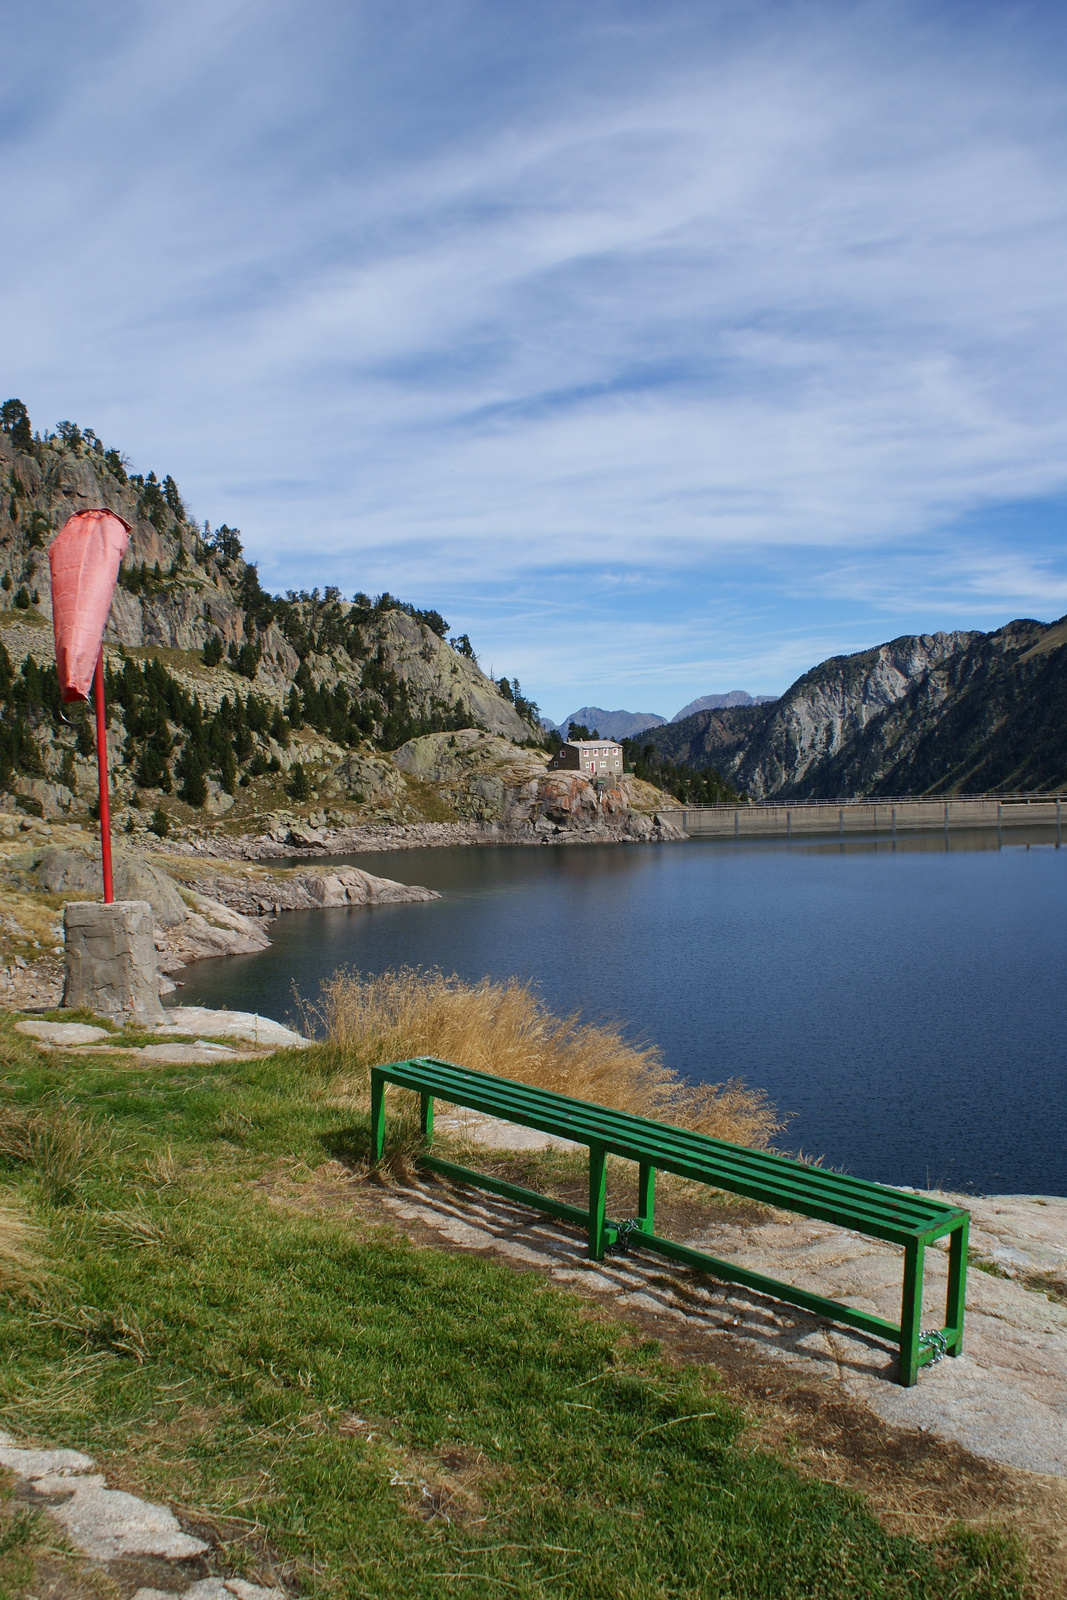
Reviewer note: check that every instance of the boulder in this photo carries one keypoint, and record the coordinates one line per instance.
(211, 930)
(350, 886)
(568, 799)
(54, 799)
(482, 777)
(373, 777)
(135, 879)
(62, 871)
(306, 837)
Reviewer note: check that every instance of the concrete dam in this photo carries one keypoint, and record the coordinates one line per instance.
(886, 818)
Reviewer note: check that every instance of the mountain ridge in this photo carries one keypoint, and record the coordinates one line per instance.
(628, 724)
(278, 721)
(949, 712)
(612, 724)
(717, 702)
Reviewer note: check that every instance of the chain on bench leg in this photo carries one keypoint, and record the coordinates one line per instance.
(377, 1116)
(911, 1306)
(957, 1285)
(598, 1231)
(646, 1197)
(426, 1118)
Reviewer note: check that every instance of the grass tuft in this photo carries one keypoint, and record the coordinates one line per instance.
(117, 1330)
(57, 1144)
(22, 1275)
(507, 1029)
(986, 1561)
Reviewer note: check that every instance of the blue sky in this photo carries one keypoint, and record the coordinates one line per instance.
(665, 347)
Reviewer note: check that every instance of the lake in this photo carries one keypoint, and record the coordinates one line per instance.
(905, 1005)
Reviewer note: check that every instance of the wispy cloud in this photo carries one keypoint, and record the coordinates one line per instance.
(644, 301)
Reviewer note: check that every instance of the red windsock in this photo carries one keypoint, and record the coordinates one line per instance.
(85, 559)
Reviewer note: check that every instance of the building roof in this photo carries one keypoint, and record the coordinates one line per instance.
(590, 744)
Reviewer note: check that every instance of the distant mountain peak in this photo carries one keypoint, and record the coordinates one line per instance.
(613, 724)
(719, 702)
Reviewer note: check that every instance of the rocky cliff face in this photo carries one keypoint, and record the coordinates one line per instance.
(933, 713)
(182, 586)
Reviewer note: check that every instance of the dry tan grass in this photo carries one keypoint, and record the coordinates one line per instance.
(22, 1275)
(506, 1029)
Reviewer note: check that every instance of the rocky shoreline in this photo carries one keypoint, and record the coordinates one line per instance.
(314, 838)
(214, 893)
(199, 914)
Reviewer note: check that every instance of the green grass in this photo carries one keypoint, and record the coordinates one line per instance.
(370, 1418)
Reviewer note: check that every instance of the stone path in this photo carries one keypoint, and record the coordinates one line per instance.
(109, 1525)
(262, 1033)
(1005, 1398)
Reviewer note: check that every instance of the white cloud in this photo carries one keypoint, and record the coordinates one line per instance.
(421, 301)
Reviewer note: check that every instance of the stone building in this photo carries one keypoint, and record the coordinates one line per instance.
(599, 760)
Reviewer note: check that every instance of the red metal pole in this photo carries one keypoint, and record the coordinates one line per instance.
(101, 762)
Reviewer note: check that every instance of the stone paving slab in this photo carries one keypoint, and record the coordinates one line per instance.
(215, 1589)
(109, 1525)
(476, 1128)
(104, 1524)
(1025, 1235)
(175, 1048)
(69, 1034)
(244, 1025)
(41, 1463)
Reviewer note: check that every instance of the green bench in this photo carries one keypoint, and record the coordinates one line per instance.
(909, 1220)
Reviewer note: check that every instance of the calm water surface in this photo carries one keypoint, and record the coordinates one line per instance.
(907, 1007)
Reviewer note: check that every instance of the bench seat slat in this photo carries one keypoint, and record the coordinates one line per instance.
(755, 1174)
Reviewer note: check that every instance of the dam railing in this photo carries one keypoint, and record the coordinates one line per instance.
(888, 816)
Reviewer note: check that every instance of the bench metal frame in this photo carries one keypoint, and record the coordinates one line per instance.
(911, 1221)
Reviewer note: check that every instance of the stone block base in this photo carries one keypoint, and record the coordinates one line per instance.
(111, 960)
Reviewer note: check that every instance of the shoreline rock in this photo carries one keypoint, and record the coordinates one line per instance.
(297, 841)
(197, 916)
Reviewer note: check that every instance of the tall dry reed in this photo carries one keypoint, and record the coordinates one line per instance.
(507, 1029)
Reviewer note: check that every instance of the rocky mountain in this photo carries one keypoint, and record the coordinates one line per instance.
(612, 724)
(274, 721)
(716, 702)
(216, 689)
(188, 589)
(930, 714)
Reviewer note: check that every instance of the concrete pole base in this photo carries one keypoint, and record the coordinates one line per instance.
(111, 960)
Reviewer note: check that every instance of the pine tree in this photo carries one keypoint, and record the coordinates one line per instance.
(15, 421)
(191, 771)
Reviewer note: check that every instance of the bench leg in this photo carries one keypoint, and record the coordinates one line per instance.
(377, 1117)
(598, 1233)
(911, 1309)
(646, 1193)
(426, 1117)
(957, 1287)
